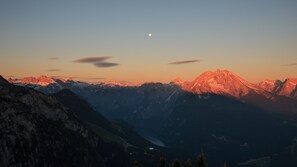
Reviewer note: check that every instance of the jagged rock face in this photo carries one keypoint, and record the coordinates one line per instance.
(37, 130)
(285, 88)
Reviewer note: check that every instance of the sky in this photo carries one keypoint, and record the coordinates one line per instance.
(109, 39)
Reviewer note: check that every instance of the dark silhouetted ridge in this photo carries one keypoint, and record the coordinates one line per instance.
(3, 81)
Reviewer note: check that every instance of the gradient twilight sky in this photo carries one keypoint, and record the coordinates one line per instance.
(256, 39)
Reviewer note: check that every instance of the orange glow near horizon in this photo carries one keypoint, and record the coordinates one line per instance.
(254, 40)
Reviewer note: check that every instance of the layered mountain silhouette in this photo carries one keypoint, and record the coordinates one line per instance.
(269, 95)
(221, 82)
(63, 130)
(228, 117)
(36, 130)
(223, 126)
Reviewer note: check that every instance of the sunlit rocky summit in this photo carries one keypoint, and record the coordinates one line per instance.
(219, 82)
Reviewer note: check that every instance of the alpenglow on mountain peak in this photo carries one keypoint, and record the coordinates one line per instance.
(41, 80)
(219, 82)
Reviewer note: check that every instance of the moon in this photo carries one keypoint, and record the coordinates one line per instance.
(149, 34)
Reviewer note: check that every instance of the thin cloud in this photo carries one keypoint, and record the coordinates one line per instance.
(53, 58)
(53, 70)
(95, 78)
(184, 62)
(91, 59)
(105, 64)
(292, 64)
(97, 61)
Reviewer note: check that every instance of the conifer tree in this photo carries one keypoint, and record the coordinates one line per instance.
(201, 160)
(188, 163)
(136, 164)
(162, 162)
(176, 163)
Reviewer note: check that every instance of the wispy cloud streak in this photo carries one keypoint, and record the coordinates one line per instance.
(184, 62)
(92, 59)
(99, 62)
(291, 64)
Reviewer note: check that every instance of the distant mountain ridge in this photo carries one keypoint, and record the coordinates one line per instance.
(222, 82)
(47, 80)
(42, 80)
(287, 87)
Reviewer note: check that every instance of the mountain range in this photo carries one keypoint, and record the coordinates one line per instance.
(228, 117)
(63, 130)
(221, 82)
